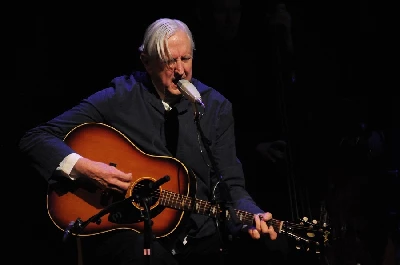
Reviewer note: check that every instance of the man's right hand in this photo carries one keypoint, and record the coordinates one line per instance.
(106, 176)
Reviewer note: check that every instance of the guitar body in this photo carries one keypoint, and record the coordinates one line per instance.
(169, 203)
(68, 200)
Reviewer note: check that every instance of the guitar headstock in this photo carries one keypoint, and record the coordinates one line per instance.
(309, 235)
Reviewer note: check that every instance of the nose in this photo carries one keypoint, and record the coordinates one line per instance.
(179, 70)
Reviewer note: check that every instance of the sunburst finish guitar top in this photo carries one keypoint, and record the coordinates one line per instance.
(169, 204)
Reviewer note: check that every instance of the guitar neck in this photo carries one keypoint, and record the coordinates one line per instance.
(185, 203)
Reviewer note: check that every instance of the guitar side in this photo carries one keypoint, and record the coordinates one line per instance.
(68, 200)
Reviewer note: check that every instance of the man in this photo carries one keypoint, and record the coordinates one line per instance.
(149, 110)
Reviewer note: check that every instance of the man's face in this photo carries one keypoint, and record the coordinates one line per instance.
(164, 73)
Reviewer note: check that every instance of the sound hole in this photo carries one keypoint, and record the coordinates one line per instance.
(143, 191)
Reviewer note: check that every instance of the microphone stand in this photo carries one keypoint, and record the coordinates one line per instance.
(148, 222)
(225, 199)
(77, 226)
(148, 234)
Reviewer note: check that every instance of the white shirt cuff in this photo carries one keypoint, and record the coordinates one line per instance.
(66, 166)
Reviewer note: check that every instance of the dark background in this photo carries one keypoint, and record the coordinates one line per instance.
(343, 82)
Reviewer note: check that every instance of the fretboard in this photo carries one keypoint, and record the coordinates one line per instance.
(181, 202)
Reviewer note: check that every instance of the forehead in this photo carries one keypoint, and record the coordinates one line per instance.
(179, 44)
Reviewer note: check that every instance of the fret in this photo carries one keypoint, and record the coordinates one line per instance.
(182, 202)
(214, 210)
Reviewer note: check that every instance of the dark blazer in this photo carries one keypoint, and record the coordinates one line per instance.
(131, 105)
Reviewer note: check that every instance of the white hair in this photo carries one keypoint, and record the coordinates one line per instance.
(155, 41)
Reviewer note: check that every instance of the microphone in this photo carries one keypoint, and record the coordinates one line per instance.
(155, 185)
(189, 91)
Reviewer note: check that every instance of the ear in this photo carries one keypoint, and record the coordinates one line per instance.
(146, 61)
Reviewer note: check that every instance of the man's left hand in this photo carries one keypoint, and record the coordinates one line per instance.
(261, 227)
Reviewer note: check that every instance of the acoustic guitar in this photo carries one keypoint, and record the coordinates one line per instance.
(170, 203)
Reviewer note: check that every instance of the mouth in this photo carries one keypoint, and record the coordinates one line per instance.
(174, 87)
(175, 81)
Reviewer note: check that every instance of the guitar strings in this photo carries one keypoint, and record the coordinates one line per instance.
(184, 202)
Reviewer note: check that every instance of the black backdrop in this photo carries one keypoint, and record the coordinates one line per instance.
(62, 54)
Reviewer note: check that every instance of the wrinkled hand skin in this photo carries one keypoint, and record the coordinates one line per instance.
(261, 227)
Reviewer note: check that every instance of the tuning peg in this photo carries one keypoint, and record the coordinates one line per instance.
(313, 222)
(309, 234)
(298, 246)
